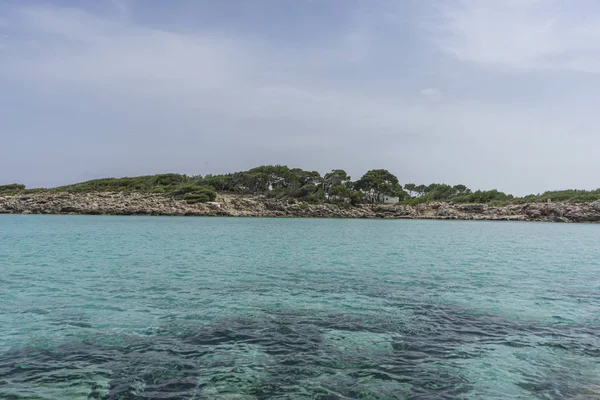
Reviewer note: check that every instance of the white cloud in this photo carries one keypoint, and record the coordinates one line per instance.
(431, 94)
(522, 34)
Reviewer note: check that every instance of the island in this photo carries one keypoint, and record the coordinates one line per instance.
(280, 191)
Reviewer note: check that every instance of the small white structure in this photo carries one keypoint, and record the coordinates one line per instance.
(391, 200)
(372, 197)
(337, 198)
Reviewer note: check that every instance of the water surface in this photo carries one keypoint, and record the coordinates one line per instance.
(217, 308)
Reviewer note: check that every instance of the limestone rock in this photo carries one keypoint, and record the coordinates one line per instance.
(260, 206)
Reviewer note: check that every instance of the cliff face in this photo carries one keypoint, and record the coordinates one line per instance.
(243, 206)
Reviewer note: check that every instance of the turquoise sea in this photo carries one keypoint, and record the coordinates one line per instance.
(96, 307)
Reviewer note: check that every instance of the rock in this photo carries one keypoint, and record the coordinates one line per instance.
(472, 208)
(259, 206)
(535, 214)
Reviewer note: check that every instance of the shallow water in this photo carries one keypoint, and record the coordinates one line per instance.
(215, 308)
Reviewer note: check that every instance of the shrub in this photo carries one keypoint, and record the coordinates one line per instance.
(168, 179)
(183, 190)
(193, 194)
(150, 183)
(194, 198)
(415, 201)
(13, 187)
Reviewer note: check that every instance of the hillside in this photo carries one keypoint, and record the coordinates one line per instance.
(284, 183)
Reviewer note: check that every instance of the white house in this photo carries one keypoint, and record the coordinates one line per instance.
(373, 197)
(391, 200)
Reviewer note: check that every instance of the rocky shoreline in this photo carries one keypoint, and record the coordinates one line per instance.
(102, 203)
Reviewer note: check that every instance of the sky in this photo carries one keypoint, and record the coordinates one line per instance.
(491, 94)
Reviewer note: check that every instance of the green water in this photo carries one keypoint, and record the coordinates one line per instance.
(216, 308)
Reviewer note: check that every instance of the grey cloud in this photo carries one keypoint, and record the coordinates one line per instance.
(113, 98)
(431, 94)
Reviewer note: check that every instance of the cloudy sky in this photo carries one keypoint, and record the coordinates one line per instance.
(491, 94)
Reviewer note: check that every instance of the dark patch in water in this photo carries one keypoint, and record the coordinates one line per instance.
(415, 358)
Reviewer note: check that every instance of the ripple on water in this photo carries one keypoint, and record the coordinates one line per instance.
(296, 354)
(171, 308)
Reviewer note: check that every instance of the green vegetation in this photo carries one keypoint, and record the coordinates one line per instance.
(175, 185)
(13, 187)
(282, 182)
(379, 183)
(195, 193)
(454, 194)
(151, 183)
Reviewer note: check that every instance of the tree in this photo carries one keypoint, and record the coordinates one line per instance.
(306, 177)
(247, 182)
(221, 183)
(334, 178)
(411, 188)
(421, 190)
(278, 176)
(339, 194)
(379, 183)
(344, 194)
(462, 190)
(439, 191)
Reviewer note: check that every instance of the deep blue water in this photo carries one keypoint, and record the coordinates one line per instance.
(217, 308)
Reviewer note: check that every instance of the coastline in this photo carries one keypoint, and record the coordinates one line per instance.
(134, 203)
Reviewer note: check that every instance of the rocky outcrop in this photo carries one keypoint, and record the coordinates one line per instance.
(244, 206)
